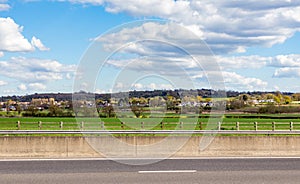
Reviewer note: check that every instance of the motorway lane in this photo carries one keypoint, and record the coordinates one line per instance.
(258, 170)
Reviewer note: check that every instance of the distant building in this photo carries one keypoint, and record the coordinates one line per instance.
(266, 101)
(41, 101)
(51, 101)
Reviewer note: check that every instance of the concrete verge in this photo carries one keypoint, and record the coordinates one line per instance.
(222, 146)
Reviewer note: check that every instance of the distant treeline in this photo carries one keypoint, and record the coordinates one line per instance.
(205, 93)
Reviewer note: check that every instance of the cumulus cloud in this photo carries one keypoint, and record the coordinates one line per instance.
(164, 66)
(227, 26)
(239, 62)
(287, 66)
(2, 83)
(255, 61)
(93, 2)
(22, 87)
(292, 60)
(287, 72)
(4, 7)
(33, 70)
(177, 65)
(12, 40)
(36, 86)
(38, 44)
(32, 86)
(151, 86)
(236, 81)
(155, 38)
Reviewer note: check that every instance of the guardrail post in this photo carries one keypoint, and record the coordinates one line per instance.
(122, 125)
(18, 125)
(102, 125)
(61, 125)
(180, 125)
(142, 125)
(40, 125)
(82, 125)
(255, 126)
(273, 125)
(237, 126)
(162, 125)
(291, 126)
(200, 125)
(219, 125)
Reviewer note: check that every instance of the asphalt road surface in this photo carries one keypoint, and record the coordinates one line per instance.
(223, 170)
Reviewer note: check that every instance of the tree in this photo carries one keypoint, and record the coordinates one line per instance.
(199, 98)
(108, 111)
(55, 111)
(76, 106)
(18, 108)
(296, 97)
(8, 103)
(235, 104)
(137, 110)
(30, 111)
(277, 99)
(208, 99)
(245, 97)
(287, 99)
(171, 102)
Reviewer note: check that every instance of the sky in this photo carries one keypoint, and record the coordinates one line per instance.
(113, 45)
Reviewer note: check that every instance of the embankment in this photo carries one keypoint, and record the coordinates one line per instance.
(70, 147)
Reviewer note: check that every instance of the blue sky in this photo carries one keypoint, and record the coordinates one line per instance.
(254, 44)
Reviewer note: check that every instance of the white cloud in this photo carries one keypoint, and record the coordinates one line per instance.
(151, 86)
(119, 85)
(12, 40)
(227, 26)
(137, 86)
(288, 66)
(101, 91)
(36, 86)
(142, 8)
(33, 70)
(9, 91)
(160, 65)
(4, 7)
(32, 87)
(22, 87)
(287, 72)
(238, 82)
(155, 38)
(3, 83)
(292, 60)
(238, 62)
(69, 76)
(38, 44)
(255, 61)
(93, 2)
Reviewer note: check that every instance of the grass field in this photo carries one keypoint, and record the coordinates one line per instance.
(170, 122)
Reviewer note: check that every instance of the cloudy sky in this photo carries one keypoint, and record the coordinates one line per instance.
(159, 44)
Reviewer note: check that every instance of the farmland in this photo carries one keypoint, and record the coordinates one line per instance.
(167, 122)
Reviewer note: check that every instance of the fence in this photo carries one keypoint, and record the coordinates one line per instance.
(229, 126)
(152, 132)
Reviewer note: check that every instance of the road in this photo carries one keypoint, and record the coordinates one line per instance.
(175, 171)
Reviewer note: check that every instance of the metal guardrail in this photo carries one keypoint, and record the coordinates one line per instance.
(236, 126)
(174, 132)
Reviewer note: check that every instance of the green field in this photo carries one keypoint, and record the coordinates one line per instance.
(170, 122)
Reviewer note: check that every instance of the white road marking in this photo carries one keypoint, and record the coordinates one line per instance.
(167, 171)
(116, 159)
